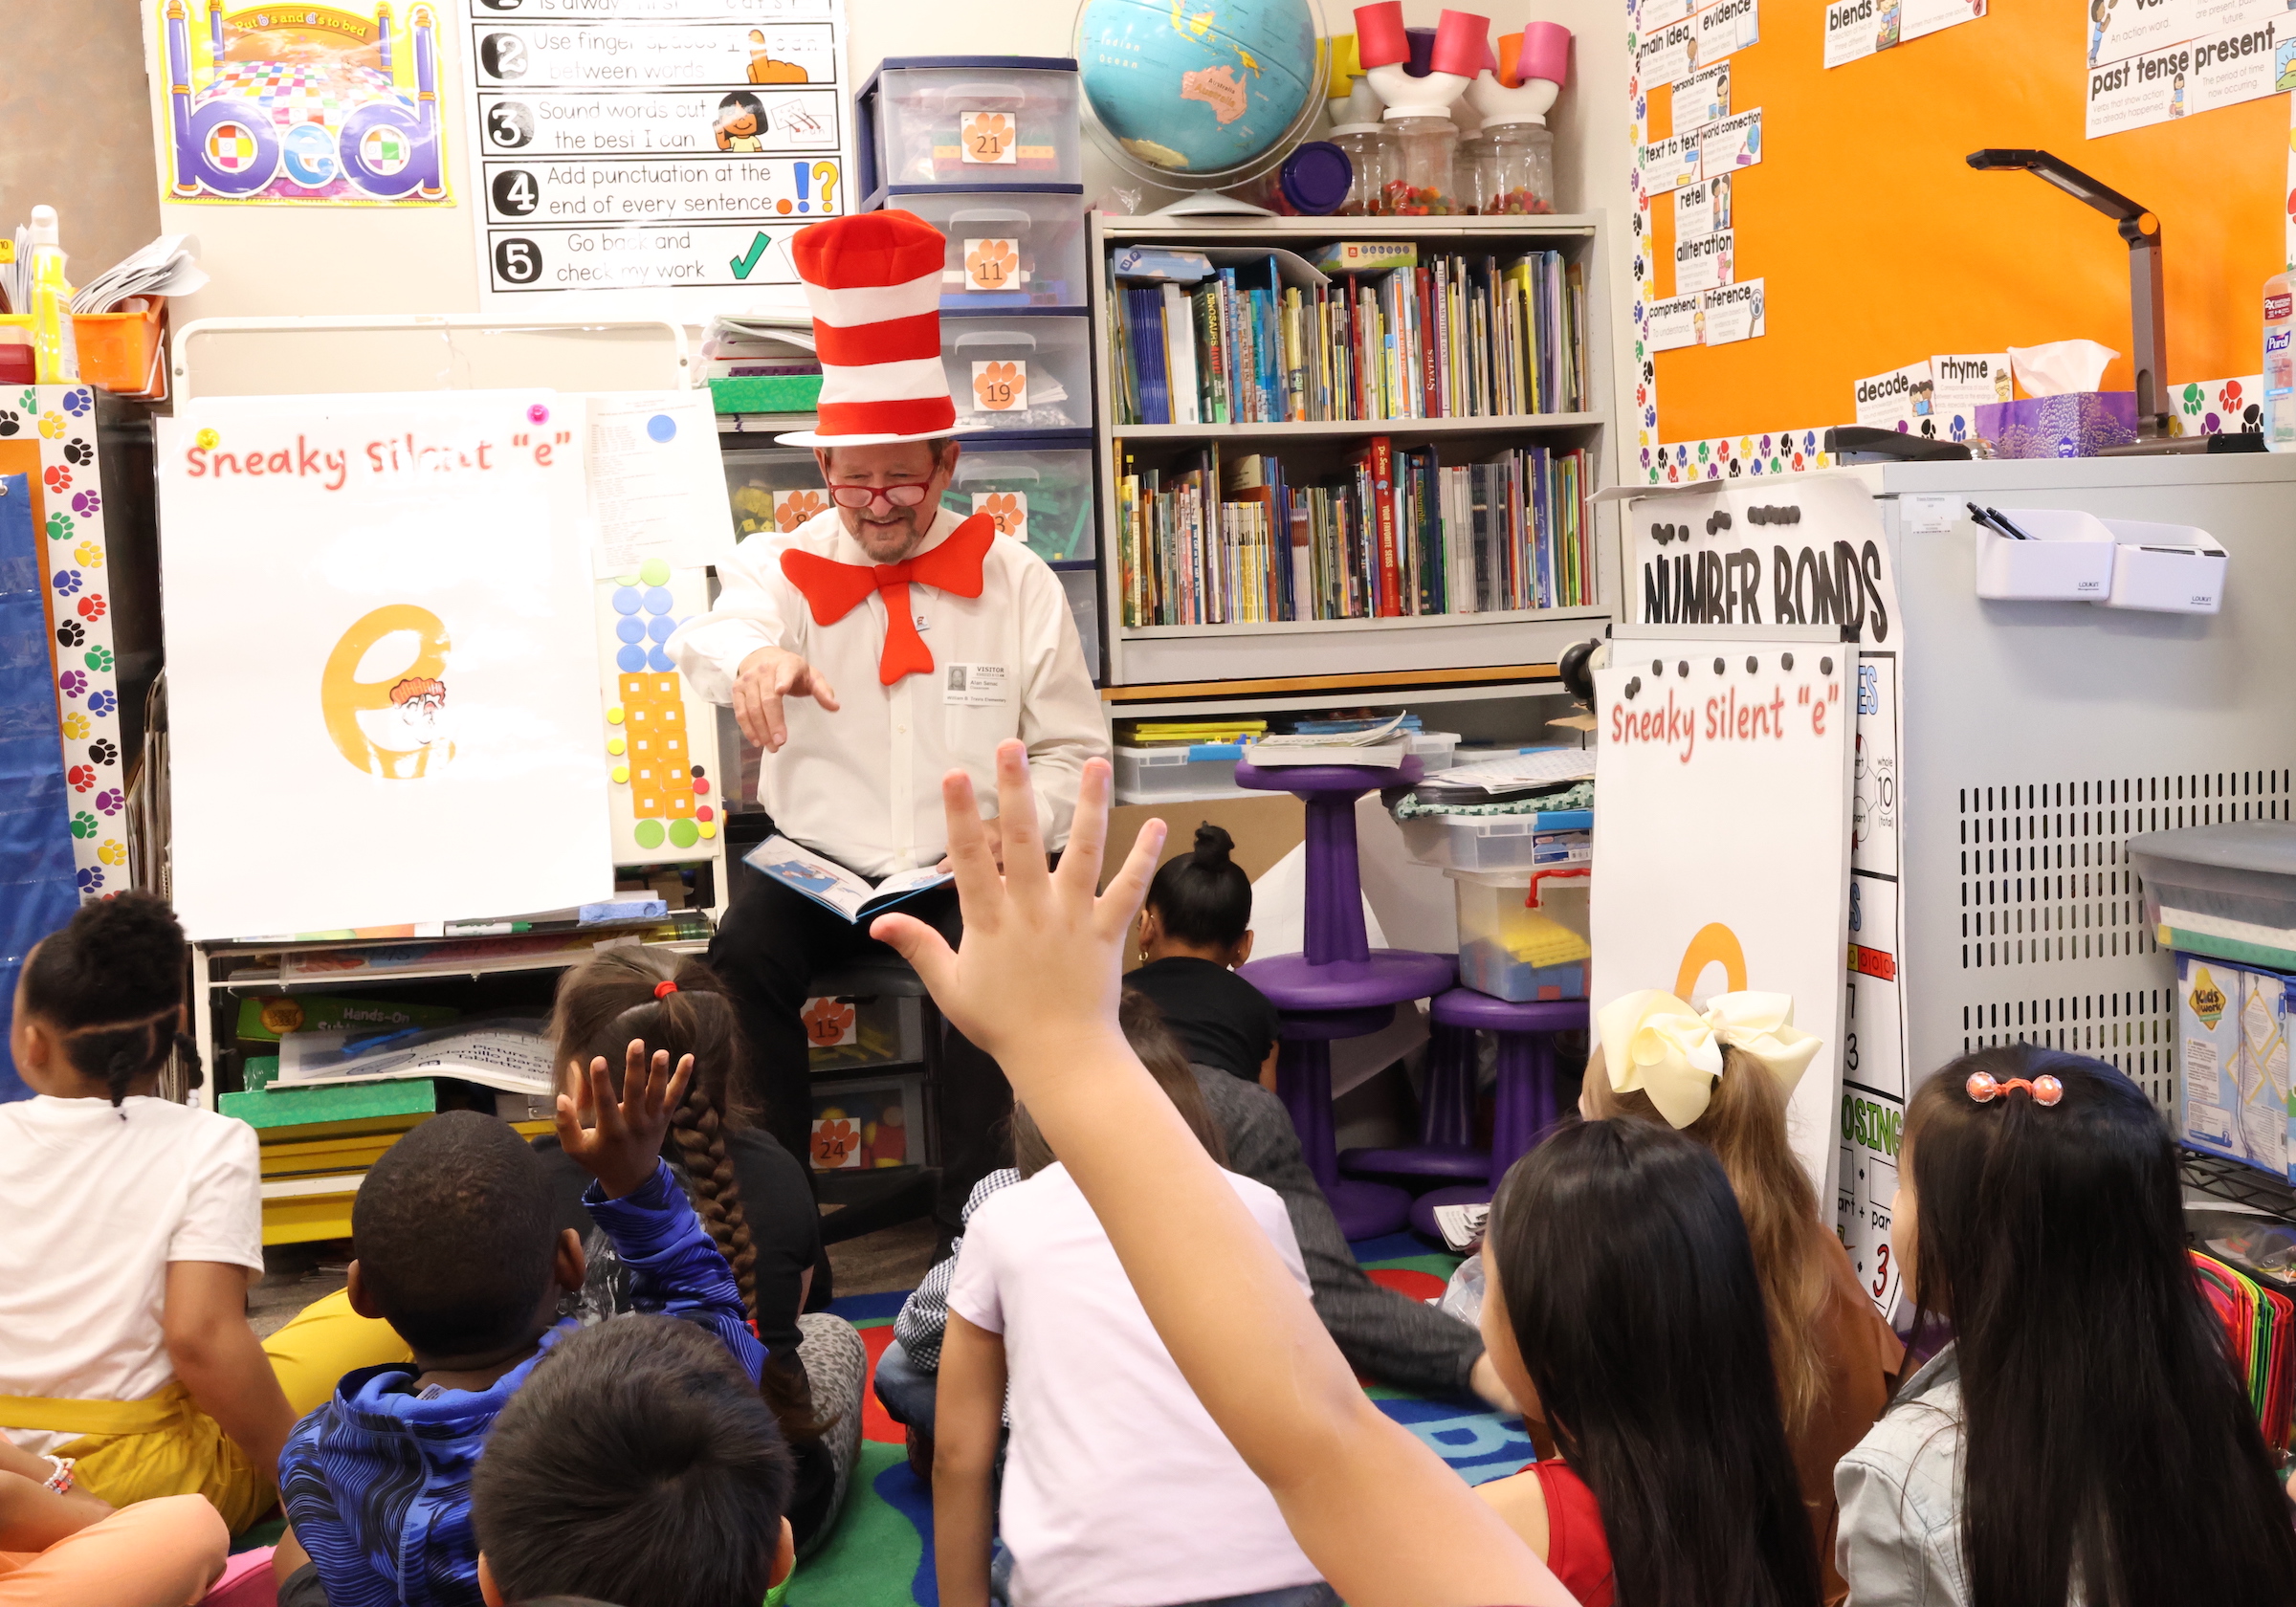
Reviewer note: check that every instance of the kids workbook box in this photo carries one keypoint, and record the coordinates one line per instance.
(831, 884)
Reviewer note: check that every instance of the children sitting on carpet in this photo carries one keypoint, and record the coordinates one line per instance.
(638, 1466)
(1118, 1490)
(60, 1547)
(1377, 1512)
(133, 1230)
(2082, 1437)
(1836, 1358)
(752, 1196)
(455, 1250)
(1384, 1335)
(1194, 931)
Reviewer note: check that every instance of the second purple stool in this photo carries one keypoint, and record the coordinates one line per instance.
(1524, 1104)
(1341, 986)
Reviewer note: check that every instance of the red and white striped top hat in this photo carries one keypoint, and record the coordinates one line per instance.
(873, 282)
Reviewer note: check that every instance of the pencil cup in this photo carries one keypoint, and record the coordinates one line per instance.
(2067, 560)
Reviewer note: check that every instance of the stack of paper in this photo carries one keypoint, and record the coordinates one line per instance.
(509, 1053)
(169, 266)
(1461, 1225)
(1382, 747)
(759, 344)
(1490, 780)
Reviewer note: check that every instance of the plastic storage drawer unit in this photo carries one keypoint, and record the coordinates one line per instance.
(1027, 369)
(1513, 951)
(1016, 245)
(1529, 841)
(870, 1123)
(772, 488)
(2227, 891)
(1083, 586)
(966, 120)
(1039, 491)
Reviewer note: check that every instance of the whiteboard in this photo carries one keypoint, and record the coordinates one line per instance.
(1722, 843)
(383, 665)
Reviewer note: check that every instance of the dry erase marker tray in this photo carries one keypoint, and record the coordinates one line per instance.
(2068, 555)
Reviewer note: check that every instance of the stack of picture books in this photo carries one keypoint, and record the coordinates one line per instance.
(1213, 540)
(1450, 337)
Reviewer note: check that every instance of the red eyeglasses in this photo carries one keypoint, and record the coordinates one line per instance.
(908, 494)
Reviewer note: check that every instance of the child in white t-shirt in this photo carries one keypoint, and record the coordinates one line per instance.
(135, 1226)
(1119, 1489)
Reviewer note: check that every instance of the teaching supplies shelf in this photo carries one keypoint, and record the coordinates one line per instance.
(1401, 649)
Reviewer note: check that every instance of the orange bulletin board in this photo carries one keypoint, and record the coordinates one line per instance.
(1881, 246)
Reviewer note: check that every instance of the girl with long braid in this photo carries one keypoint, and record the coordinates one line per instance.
(134, 1227)
(750, 1193)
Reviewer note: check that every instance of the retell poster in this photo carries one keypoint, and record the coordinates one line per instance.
(652, 158)
(302, 106)
(381, 609)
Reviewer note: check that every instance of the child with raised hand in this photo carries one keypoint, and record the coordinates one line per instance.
(455, 1250)
(639, 1466)
(2084, 1437)
(134, 1228)
(1195, 930)
(1674, 1484)
(1118, 1490)
(751, 1194)
(1723, 1076)
(1036, 984)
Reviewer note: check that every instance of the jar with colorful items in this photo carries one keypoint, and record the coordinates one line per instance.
(1519, 174)
(1418, 72)
(1371, 151)
(1513, 98)
(1469, 170)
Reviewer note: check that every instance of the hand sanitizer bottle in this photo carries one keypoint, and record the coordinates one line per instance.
(2280, 367)
(55, 354)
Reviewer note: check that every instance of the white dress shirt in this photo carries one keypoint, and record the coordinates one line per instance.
(863, 786)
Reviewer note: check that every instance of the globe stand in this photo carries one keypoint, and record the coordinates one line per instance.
(1210, 203)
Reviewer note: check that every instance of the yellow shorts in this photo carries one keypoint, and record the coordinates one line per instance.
(188, 1454)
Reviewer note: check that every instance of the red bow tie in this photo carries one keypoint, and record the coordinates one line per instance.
(834, 589)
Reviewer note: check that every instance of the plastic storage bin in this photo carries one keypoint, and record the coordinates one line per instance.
(1525, 843)
(1027, 369)
(1513, 951)
(772, 488)
(870, 1124)
(1039, 490)
(848, 1035)
(1083, 586)
(2166, 568)
(970, 120)
(2227, 891)
(1009, 247)
(1201, 770)
(2067, 558)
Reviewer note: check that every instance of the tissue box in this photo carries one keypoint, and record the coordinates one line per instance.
(2081, 423)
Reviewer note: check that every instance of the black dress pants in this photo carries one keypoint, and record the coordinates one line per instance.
(771, 944)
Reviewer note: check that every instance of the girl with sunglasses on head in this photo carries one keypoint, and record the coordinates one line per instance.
(2082, 1439)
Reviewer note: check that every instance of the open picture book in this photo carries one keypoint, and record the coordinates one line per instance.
(833, 886)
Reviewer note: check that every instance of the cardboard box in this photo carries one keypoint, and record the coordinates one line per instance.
(2232, 1055)
(2264, 1114)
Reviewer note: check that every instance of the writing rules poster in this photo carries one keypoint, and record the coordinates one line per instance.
(381, 659)
(1700, 899)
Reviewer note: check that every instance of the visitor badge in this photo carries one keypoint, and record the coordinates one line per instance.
(989, 137)
(992, 265)
(1001, 388)
(975, 686)
(1008, 510)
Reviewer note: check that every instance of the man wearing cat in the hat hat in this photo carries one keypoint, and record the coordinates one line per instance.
(877, 646)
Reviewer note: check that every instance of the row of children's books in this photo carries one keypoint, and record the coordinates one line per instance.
(1213, 542)
(1452, 336)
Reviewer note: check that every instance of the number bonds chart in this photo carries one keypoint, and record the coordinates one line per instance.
(649, 156)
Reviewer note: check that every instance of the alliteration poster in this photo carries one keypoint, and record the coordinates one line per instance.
(302, 106)
(652, 158)
(382, 606)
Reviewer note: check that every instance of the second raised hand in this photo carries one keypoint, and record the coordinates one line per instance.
(621, 1149)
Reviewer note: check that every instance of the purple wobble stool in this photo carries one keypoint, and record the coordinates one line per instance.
(1524, 1100)
(1340, 988)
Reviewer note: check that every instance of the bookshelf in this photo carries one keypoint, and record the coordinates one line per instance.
(1405, 646)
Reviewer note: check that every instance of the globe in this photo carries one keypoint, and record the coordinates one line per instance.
(1198, 91)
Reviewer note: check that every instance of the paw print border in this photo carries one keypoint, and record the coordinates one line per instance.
(79, 641)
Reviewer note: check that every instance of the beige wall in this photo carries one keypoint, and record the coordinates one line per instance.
(76, 128)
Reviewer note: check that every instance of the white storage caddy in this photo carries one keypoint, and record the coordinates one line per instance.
(2076, 557)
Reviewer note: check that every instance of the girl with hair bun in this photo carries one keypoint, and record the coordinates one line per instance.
(134, 1227)
(1195, 929)
(750, 1193)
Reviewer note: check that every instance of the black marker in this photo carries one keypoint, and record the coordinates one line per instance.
(2002, 523)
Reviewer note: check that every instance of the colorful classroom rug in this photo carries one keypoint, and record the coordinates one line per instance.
(882, 1552)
